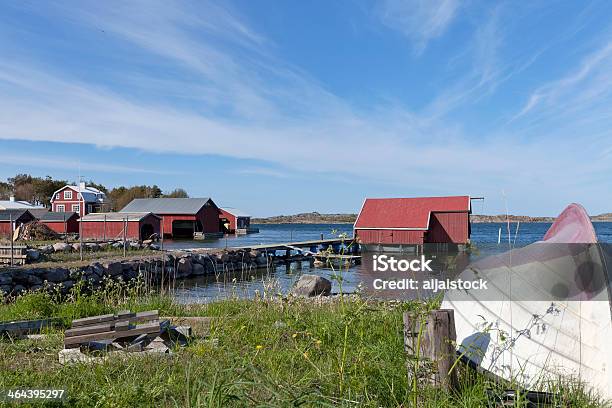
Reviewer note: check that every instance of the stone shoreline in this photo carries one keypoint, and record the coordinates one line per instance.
(153, 269)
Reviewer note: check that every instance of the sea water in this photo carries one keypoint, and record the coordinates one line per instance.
(279, 280)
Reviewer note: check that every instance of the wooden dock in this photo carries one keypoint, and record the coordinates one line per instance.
(312, 245)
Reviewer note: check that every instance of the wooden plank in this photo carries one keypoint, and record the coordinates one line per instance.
(140, 317)
(93, 320)
(138, 330)
(25, 326)
(122, 326)
(96, 328)
(125, 313)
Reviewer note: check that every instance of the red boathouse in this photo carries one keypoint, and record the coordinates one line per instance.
(414, 221)
(181, 217)
(60, 222)
(102, 226)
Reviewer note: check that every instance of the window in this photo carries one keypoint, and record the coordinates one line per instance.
(76, 208)
(89, 208)
(60, 208)
(68, 195)
(57, 196)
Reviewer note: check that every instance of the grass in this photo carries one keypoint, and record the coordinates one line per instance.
(259, 353)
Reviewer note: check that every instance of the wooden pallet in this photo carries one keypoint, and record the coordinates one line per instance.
(19, 255)
(112, 327)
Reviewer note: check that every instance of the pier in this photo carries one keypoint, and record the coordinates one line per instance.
(311, 246)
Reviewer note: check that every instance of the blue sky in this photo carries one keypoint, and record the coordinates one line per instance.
(279, 107)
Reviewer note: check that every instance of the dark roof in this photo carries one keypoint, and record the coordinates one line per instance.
(189, 206)
(7, 215)
(49, 216)
(407, 213)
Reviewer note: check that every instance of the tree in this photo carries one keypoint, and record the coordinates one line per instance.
(177, 193)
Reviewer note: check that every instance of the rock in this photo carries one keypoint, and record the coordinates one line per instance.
(26, 277)
(67, 285)
(117, 245)
(112, 268)
(311, 285)
(103, 245)
(5, 289)
(92, 246)
(184, 267)
(33, 254)
(97, 269)
(46, 249)
(76, 246)
(62, 247)
(74, 355)
(18, 289)
(147, 242)
(135, 245)
(155, 247)
(6, 279)
(198, 269)
(56, 275)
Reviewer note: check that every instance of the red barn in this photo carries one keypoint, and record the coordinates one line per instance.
(233, 220)
(414, 221)
(18, 218)
(181, 217)
(60, 222)
(102, 226)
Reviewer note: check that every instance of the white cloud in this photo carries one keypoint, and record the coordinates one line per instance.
(419, 20)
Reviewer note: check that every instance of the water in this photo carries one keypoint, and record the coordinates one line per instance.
(282, 278)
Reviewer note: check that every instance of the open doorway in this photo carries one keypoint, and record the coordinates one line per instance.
(146, 231)
(183, 229)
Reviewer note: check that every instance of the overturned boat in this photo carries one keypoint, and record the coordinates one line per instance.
(546, 312)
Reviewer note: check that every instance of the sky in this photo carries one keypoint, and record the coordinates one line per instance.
(280, 107)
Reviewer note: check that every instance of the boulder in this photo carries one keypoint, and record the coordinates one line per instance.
(33, 254)
(6, 279)
(56, 275)
(112, 268)
(76, 246)
(117, 245)
(62, 247)
(18, 289)
(26, 277)
(198, 269)
(147, 242)
(5, 289)
(135, 245)
(92, 246)
(184, 267)
(312, 285)
(155, 247)
(46, 249)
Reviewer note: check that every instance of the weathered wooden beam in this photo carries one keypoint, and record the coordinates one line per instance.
(20, 327)
(429, 341)
(96, 328)
(138, 330)
(140, 317)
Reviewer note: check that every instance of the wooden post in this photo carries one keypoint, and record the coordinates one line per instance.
(81, 239)
(429, 342)
(124, 237)
(104, 233)
(162, 234)
(12, 237)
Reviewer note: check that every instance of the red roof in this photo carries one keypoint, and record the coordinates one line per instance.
(407, 213)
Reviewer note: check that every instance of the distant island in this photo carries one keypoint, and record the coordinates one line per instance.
(317, 218)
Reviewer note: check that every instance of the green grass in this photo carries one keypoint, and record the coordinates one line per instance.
(259, 353)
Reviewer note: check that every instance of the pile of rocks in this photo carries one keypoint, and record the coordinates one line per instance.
(152, 269)
(37, 254)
